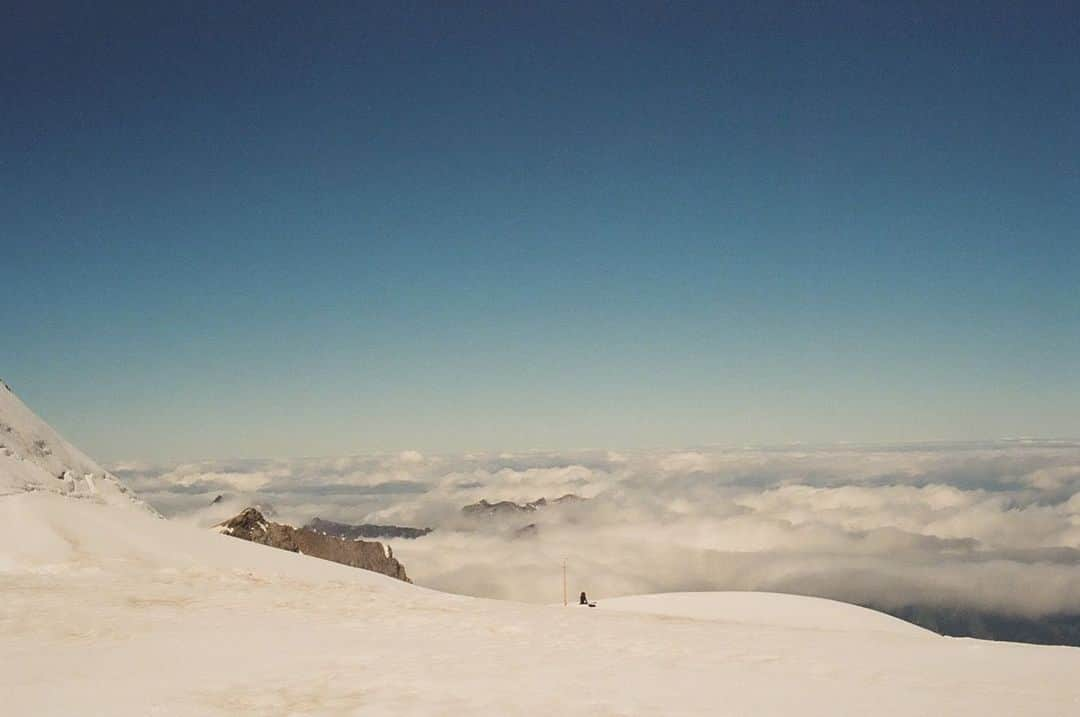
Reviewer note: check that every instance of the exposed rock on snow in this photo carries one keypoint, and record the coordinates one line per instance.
(369, 555)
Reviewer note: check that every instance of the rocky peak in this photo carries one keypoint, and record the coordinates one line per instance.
(249, 525)
(252, 525)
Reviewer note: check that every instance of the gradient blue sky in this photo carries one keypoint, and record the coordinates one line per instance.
(281, 229)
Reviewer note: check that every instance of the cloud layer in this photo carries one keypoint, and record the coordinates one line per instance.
(991, 526)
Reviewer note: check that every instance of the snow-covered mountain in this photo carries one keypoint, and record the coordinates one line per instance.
(34, 457)
(109, 610)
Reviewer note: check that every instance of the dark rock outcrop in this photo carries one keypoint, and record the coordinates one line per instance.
(345, 531)
(368, 555)
(503, 507)
(506, 507)
(527, 531)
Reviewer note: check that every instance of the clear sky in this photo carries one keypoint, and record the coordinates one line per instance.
(283, 229)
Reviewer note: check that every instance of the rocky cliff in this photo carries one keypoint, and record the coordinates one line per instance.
(369, 555)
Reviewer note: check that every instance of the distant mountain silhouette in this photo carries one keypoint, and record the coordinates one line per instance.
(345, 531)
(506, 507)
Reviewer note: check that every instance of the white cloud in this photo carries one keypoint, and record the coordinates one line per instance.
(963, 525)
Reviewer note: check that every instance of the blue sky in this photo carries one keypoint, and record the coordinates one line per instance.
(281, 229)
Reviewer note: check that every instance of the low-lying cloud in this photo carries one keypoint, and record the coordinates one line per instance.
(990, 526)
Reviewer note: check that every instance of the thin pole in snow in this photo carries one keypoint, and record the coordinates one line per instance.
(564, 602)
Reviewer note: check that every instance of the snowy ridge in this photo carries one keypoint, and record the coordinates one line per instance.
(34, 457)
(767, 609)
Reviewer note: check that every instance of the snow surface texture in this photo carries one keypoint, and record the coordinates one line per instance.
(766, 609)
(107, 609)
(112, 611)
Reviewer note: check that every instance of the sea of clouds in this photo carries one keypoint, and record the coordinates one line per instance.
(990, 526)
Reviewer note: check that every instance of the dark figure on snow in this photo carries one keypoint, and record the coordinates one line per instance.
(583, 600)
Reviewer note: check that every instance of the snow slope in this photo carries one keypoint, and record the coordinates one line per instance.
(34, 457)
(767, 609)
(105, 609)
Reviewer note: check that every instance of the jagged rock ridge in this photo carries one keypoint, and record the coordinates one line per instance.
(346, 531)
(368, 555)
(506, 507)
